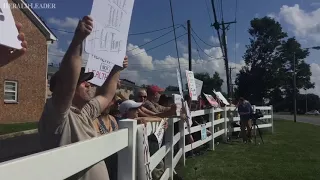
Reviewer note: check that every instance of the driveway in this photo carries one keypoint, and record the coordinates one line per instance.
(304, 119)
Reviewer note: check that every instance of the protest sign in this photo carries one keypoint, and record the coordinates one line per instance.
(211, 100)
(198, 86)
(8, 30)
(178, 102)
(101, 69)
(191, 85)
(179, 83)
(203, 132)
(160, 132)
(189, 118)
(108, 39)
(222, 98)
(143, 154)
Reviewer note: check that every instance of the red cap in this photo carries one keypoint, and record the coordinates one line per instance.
(154, 89)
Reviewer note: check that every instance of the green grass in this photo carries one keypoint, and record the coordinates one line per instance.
(10, 128)
(291, 153)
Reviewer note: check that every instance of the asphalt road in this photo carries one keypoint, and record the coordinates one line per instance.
(304, 119)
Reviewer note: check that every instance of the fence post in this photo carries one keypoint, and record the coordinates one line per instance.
(225, 126)
(272, 119)
(169, 135)
(182, 141)
(211, 119)
(127, 156)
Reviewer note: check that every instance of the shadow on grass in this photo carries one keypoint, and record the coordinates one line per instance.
(291, 153)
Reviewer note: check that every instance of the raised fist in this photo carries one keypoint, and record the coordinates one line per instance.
(84, 28)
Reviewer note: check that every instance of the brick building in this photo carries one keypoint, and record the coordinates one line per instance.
(24, 81)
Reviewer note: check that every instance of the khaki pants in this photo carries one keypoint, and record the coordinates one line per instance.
(245, 124)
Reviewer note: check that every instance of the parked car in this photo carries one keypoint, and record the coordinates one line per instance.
(313, 112)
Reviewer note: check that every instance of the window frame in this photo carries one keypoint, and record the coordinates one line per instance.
(9, 91)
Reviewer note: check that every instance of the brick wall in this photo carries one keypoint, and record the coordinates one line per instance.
(30, 73)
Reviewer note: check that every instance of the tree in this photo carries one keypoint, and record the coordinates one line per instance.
(269, 64)
(209, 83)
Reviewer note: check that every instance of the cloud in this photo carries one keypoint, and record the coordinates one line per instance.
(315, 78)
(146, 39)
(67, 22)
(55, 53)
(144, 69)
(214, 40)
(315, 4)
(303, 24)
(273, 16)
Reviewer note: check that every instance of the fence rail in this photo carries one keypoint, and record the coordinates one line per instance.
(62, 162)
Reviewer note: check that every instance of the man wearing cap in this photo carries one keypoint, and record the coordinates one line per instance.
(67, 117)
(153, 96)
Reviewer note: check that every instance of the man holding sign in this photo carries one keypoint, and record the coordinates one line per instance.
(7, 54)
(67, 117)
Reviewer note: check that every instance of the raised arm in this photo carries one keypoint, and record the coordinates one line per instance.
(106, 92)
(8, 55)
(69, 71)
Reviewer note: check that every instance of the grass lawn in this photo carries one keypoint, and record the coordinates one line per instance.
(10, 128)
(291, 153)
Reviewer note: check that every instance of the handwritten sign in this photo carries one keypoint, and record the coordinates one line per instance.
(198, 86)
(189, 118)
(160, 131)
(203, 132)
(101, 69)
(211, 100)
(178, 102)
(108, 39)
(222, 98)
(8, 29)
(179, 83)
(191, 85)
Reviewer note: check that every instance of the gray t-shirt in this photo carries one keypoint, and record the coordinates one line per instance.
(59, 129)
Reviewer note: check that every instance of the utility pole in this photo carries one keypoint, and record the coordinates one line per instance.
(231, 84)
(223, 42)
(294, 89)
(189, 44)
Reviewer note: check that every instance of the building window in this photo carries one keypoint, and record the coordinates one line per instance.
(10, 91)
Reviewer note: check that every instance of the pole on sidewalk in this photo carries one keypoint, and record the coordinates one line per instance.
(189, 45)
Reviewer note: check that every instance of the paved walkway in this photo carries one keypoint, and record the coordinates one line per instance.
(304, 119)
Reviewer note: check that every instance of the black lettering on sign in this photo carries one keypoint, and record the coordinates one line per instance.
(1, 15)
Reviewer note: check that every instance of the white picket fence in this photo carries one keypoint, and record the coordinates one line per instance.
(62, 162)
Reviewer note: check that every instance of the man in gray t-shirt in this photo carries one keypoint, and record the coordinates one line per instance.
(67, 117)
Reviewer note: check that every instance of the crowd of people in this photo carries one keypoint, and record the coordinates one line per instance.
(79, 110)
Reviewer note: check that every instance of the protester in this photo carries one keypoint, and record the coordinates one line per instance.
(67, 117)
(8, 54)
(245, 111)
(129, 110)
(141, 96)
(105, 124)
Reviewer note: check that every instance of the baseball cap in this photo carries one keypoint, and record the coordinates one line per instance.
(154, 89)
(125, 106)
(82, 78)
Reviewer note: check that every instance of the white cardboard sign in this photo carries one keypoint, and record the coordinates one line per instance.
(179, 83)
(189, 118)
(222, 98)
(8, 30)
(178, 102)
(211, 100)
(108, 39)
(160, 132)
(191, 85)
(199, 84)
(101, 69)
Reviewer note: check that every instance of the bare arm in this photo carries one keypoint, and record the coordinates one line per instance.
(167, 113)
(107, 91)
(69, 70)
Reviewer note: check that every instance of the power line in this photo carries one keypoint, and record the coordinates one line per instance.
(130, 34)
(203, 40)
(175, 39)
(200, 47)
(159, 45)
(141, 45)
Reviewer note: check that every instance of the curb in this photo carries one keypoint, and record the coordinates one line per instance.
(16, 134)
